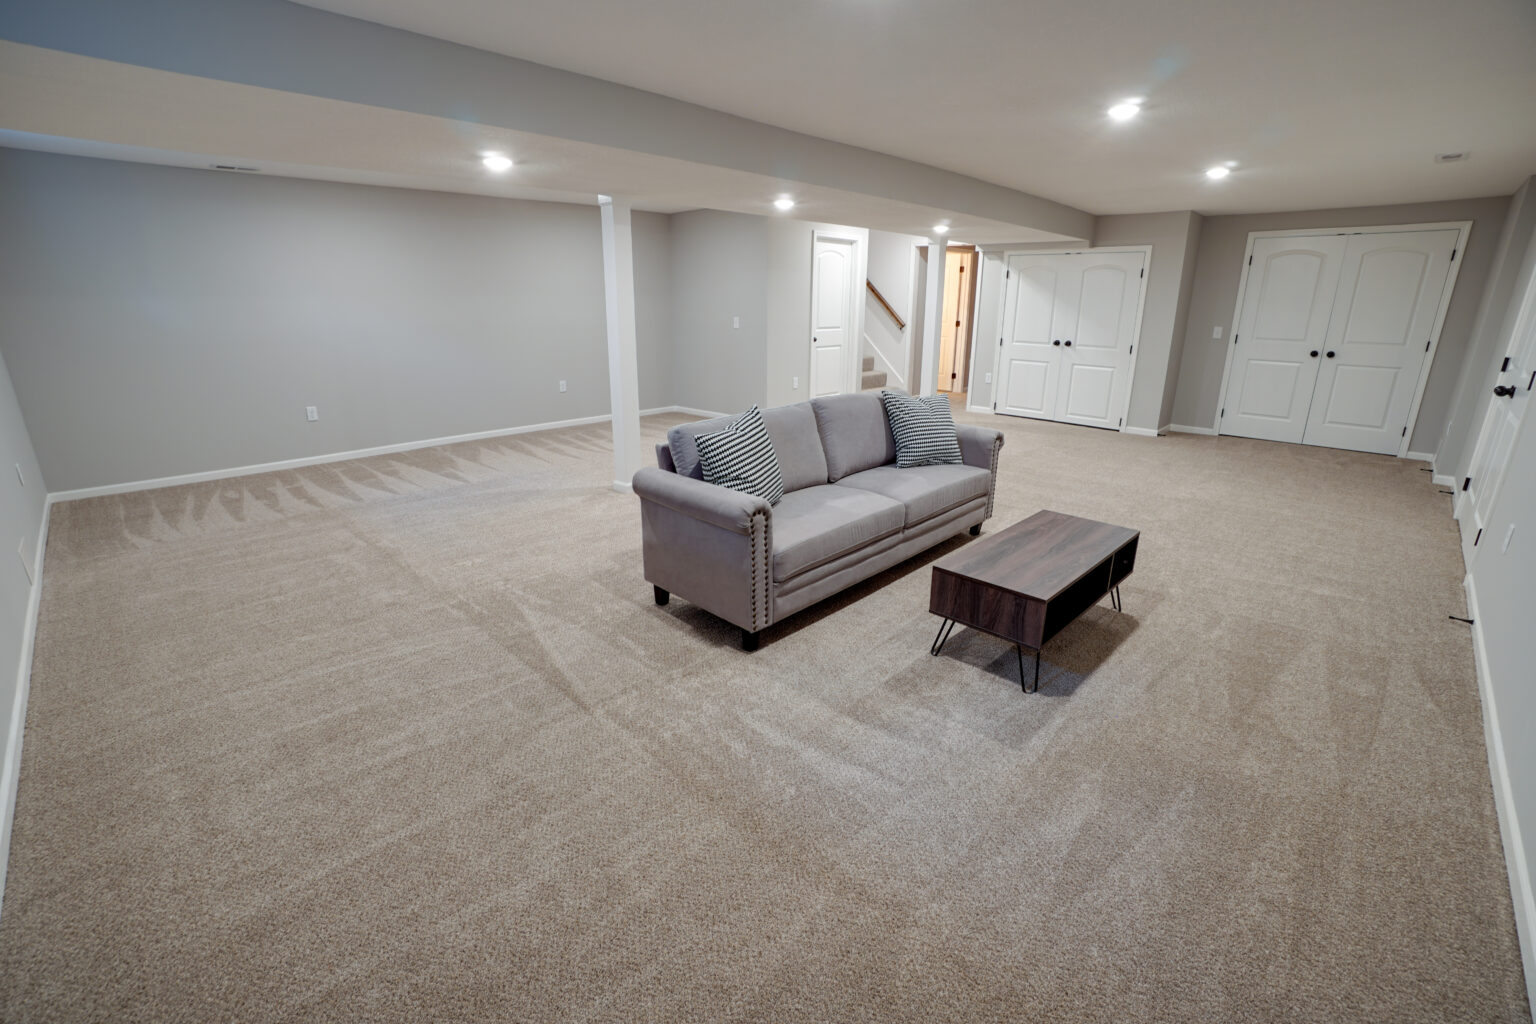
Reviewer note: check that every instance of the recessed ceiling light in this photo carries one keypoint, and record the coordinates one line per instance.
(1125, 109)
(783, 203)
(497, 162)
(941, 229)
(1218, 172)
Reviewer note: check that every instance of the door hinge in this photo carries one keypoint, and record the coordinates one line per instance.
(1505, 367)
(1532, 384)
(1234, 339)
(1466, 483)
(999, 341)
(994, 407)
(1143, 272)
(1453, 255)
(1250, 261)
(1122, 421)
(1133, 349)
(1477, 538)
(1405, 432)
(1007, 274)
(957, 323)
(1223, 412)
(1426, 344)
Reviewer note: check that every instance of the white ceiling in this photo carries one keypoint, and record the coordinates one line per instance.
(1322, 103)
(67, 103)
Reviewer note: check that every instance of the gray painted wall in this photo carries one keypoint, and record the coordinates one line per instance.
(21, 520)
(1219, 267)
(788, 342)
(1166, 305)
(162, 321)
(1512, 266)
(719, 270)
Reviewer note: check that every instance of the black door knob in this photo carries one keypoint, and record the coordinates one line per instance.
(1330, 355)
(1505, 391)
(1067, 343)
(1056, 342)
(1314, 353)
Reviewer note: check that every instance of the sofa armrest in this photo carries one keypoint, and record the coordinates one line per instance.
(979, 447)
(709, 545)
(708, 503)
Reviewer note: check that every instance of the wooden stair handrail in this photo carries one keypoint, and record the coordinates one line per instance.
(902, 324)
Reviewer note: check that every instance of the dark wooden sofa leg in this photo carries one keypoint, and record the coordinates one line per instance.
(661, 595)
(749, 639)
(976, 530)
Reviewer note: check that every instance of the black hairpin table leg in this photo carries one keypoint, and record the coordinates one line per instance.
(943, 636)
(1018, 651)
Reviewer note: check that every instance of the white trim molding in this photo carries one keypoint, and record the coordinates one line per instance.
(1521, 893)
(10, 771)
(1180, 428)
(1141, 431)
(359, 453)
(1420, 456)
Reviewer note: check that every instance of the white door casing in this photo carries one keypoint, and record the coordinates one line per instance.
(1069, 327)
(1384, 314)
(1501, 424)
(1095, 379)
(1280, 335)
(832, 326)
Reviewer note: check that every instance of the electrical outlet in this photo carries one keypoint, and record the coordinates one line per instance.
(562, 387)
(1216, 332)
(989, 379)
(311, 413)
(21, 553)
(20, 475)
(796, 385)
(736, 322)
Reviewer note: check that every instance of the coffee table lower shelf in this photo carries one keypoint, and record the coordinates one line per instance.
(947, 626)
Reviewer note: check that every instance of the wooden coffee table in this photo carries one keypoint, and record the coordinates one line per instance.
(1028, 582)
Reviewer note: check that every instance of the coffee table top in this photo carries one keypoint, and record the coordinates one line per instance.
(1038, 557)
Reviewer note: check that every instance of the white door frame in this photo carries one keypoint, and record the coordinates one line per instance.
(1459, 257)
(1141, 308)
(854, 363)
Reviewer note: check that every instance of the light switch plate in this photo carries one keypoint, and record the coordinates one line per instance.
(1216, 332)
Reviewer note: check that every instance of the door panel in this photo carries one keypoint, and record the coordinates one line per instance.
(831, 315)
(1096, 367)
(1030, 365)
(1284, 318)
(1389, 294)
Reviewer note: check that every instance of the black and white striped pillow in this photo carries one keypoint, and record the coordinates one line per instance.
(923, 428)
(741, 457)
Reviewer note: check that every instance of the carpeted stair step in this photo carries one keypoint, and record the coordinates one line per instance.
(869, 364)
(873, 378)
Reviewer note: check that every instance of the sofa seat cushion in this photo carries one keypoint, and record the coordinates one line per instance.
(814, 525)
(924, 491)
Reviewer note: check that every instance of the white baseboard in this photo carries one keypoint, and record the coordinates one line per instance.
(1443, 480)
(10, 770)
(1522, 895)
(1141, 431)
(360, 453)
(1180, 428)
(981, 408)
(1420, 456)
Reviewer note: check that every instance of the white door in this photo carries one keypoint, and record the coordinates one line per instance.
(1095, 353)
(1280, 337)
(1509, 405)
(1384, 315)
(1035, 318)
(832, 341)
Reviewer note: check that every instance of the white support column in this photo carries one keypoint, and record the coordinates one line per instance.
(933, 315)
(623, 363)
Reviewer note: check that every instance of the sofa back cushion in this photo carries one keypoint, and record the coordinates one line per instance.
(854, 433)
(795, 438)
(792, 428)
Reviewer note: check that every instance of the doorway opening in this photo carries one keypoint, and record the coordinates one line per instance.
(960, 262)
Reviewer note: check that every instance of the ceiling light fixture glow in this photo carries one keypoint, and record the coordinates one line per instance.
(497, 162)
(941, 229)
(1218, 172)
(783, 203)
(1125, 109)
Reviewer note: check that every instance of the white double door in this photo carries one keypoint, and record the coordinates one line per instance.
(1332, 335)
(1069, 331)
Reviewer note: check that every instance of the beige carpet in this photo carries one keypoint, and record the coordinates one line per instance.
(405, 739)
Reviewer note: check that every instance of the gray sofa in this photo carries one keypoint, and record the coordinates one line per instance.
(848, 512)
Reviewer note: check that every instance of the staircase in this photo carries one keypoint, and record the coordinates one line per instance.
(872, 379)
